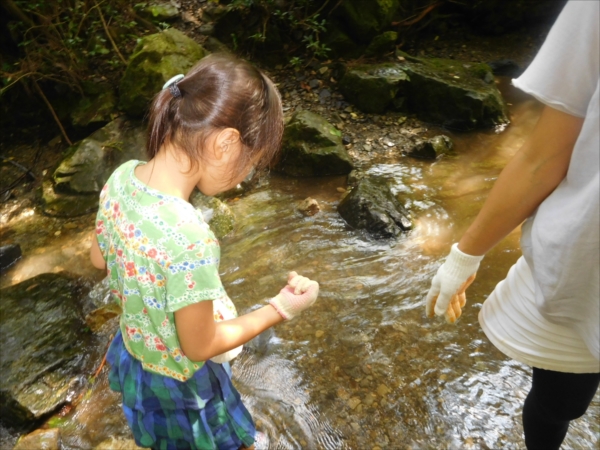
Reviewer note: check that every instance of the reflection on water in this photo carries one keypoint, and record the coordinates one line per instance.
(363, 368)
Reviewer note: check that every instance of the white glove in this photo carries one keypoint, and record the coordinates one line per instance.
(450, 277)
(299, 294)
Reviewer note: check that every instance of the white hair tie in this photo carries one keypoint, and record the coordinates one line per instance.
(172, 85)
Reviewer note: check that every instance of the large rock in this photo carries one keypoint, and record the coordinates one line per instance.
(80, 177)
(44, 343)
(156, 58)
(371, 205)
(312, 147)
(364, 19)
(451, 93)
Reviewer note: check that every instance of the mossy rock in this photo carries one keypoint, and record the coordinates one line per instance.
(43, 439)
(93, 159)
(156, 58)
(217, 214)
(454, 94)
(372, 206)
(382, 43)
(158, 11)
(365, 19)
(340, 43)
(373, 88)
(312, 147)
(431, 148)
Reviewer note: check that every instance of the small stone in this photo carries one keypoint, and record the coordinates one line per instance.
(314, 83)
(343, 394)
(309, 207)
(353, 402)
(367, 147)
(57, 233)
(319, 333)
(340, 189)
(383, 390)
(346, 139)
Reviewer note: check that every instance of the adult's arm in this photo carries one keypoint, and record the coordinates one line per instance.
(531, 175)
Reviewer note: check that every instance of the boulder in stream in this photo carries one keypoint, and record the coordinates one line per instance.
(371, 205)
(156, 58)
(44, 346)
(312, 147)
(454, 94)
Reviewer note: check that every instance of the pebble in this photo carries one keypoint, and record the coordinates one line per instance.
(383, 390)
(319, 333)
(353, 402)
(340, 189)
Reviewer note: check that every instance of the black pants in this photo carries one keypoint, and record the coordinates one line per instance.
(555, 399)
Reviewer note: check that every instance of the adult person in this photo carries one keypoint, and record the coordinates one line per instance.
(546, 312)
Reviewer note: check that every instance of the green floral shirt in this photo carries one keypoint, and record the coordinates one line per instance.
(160, 256)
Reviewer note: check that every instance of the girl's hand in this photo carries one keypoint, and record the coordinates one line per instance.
(299, 294)
(457, 302)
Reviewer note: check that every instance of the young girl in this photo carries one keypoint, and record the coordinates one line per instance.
(206, 130)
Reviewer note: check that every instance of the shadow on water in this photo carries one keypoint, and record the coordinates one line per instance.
(364, 368)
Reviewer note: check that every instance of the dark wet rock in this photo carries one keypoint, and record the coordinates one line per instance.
(44, 342)
(40, 439)
(96, 157)
(312, 147)
(346, 139)
(431, 148)
(365, 19)
(9, 254)
(156, 58)
(354, 177)
(382, 43)
(506, 68)
(216, 213)
(371, 205)
(447, 92)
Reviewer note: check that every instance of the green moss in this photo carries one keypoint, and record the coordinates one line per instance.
(156, 58)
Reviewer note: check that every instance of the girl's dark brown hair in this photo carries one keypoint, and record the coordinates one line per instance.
(219, 92)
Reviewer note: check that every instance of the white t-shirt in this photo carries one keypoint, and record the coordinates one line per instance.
(561, 240)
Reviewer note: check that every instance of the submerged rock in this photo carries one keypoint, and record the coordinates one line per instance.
(447, 92)
(44, 343)
(40, 439)
(156, 58)
(431, 148)
(312, 147)
(372, 206)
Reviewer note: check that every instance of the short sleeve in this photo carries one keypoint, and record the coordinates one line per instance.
(564, 73)
(101, 222)
(193, 275)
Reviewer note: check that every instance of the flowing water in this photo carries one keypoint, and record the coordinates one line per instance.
(363, 368)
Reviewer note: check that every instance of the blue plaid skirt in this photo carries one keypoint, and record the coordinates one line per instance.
(203, 413)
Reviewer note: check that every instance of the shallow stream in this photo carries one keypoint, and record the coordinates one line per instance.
(364, 368)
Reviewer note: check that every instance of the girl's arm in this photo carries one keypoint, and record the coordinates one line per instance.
(201, 337)
(530, 176)
(96, 254)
